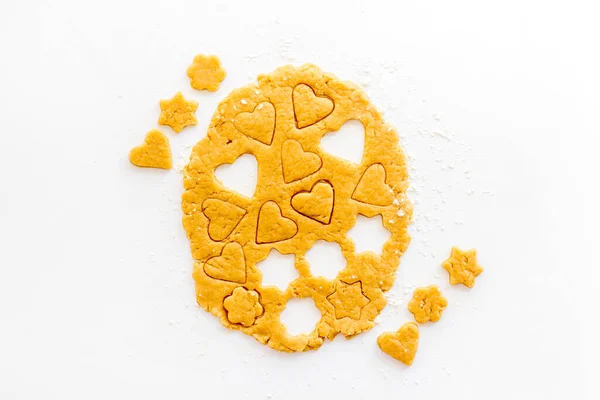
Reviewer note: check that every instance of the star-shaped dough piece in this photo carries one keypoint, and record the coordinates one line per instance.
(178, 112)
(206, 73)
(462, 267)
(348, 300)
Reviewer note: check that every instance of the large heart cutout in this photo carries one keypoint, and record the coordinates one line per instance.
(272, 226)
(230, 266)
(372, 189)
(296, 162)
(401, 345)
(223, 217)
(258, 124)
(153, 153)
(316, 204)
(240, 176)
(308, 107)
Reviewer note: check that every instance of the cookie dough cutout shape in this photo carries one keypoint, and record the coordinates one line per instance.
(229, 266)
(258, 124)
(401, 345)
(223, 217)
(243, 306)
(178, 112)
(206, 73)
(297, 163)
(272, 226)
(308, 107)
(153, 153)
(372, 187)
(462, 267)
(427, 304)
(316, 204)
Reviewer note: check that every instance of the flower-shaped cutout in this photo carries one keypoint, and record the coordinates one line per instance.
(427, 304)
(178, 112)
(462, 267)
(206, 73)
(243, 306)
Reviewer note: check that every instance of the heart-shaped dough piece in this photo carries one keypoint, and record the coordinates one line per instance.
(272, 226)
(153, 153)
(223, 217)
(401, 345)
(308, 107)
(296, 162)
(230, 266)
(372, 189)
(316, 204)
(258, 124)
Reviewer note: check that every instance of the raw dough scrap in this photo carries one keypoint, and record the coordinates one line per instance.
(372, 188)
(316, 204)
(291, 217)
(206, 73)
(401, 345)
(427, 304)
(155, 152)
(178, 112)
(462, 267)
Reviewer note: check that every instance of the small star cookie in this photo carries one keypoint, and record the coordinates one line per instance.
(401, 345)
(462, 267)
(427, 304)
(206, 73)
(153, 153)
(178, 112)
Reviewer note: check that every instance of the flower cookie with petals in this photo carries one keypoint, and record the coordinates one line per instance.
(243, 306)
(178, 112)
(427, 304)
(462, 267)
(206, 73)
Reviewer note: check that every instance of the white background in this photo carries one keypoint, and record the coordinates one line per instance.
(497, 105)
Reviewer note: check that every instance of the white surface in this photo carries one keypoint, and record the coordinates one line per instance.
(497, 105)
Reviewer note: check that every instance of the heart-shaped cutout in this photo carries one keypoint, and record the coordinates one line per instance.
(372, 189)
(258, 124)
(316, 204)
(296, 162)
(222, 216)
(272, 226)
(230, 266)
(240, 176)
(348, 142)
(308, 107)
(401, 345)
(153, 153)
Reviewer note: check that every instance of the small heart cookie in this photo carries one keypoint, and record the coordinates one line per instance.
(372, 189)
(230, 266)
(401, 345)
(296, 162)
(258, 124)
(153, 153)
(316, 204)
(272, 226)
(308, 107)
(223, 217)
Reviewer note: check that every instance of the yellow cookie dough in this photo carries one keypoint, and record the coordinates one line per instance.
(206, 73)
(401, 345)
(427, 304)
(178, 112)
(303, 195)
(153, 153)
(462, 267)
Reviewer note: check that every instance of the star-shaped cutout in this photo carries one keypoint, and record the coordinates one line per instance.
(348, 300)
(206, 73)
(462, 267)
(178, 112)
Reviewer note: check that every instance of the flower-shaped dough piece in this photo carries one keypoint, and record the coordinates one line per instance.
(243, 306)
(427, 304)
(178, 112)
(462, 267)
(206, 73)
